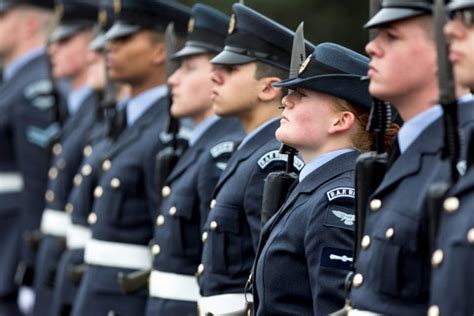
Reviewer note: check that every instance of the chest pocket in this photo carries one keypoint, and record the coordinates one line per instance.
(183, 222)
(401, 263)
(223, 229)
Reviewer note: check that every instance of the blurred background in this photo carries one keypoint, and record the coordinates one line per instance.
(338, 21)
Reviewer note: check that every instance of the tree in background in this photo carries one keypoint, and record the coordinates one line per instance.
(338, 21)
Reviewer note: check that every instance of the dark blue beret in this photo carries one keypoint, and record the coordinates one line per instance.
(135, 15)
(395, 10)
(334, 70)
(45, 4)
(254, 37)
(207, 30)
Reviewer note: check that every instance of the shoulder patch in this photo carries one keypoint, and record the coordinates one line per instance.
(39, 93)
(336, 258)
(183, 134)
(340, 217)
(222, 148)
(462, 167)
(275, 155)
(342, 192)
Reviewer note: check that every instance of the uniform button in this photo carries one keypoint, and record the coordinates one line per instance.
(389, 233)
(86, 170)
(57, 149)
(61, 164)
(213, 203)
(77, 180)
(160, 220)
(165, 191)
(200, 269)
(358, 280)
(172, 210)
(98, 191)
(106, 165)
(451, 204)
(87, 151)
(53, 173)
(433, 310)
(437, 258)
(470, 236)
(115, 183)
(92, 218)
(375, 205)
(204, 237)
(365, 243)
(213, 226)
(155, 249)
(69, 208)
(49, 195)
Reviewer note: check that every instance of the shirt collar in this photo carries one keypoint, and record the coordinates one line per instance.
(12, 68)
(466, 98)
(143, 101)
(256, 131)
(321, 160)
(76, 98)
(412, 128)
(201, 128)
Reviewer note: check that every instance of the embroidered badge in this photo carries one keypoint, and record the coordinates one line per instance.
(336, 258)
(275, 155)
(231, 24)
(341, 217)
(462, 167)
(222, 148)
(340, 193)
(191, 24)
(183, 134)
(221, 165)
(42, 137)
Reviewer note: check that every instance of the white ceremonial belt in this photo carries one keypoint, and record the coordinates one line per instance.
(358, 312)
(77, 236)
(117, 255)
(224, 304)
(11, 182)
(54, 222)
(174, 286)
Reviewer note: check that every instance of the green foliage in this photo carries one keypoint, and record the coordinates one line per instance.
(339, 21)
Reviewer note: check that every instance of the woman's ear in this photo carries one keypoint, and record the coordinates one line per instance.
(266, 90)
(343, 122)
(159, 57)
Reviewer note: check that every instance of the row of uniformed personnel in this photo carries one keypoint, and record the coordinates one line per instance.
(192, 247)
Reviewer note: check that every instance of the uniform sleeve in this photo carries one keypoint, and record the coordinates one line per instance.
(328, 248)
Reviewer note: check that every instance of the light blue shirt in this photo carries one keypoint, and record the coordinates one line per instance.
(256, 131)
(76, 98)
(138, 105)
(412, 128)
(466, 98)
(321, 160)
(12, 68)
(201, 128)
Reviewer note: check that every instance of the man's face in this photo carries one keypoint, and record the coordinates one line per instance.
(461, 38)
(131, 58)
(191, 87)
(69, 56)
(235, 90)
(9, 24)
(403, 60)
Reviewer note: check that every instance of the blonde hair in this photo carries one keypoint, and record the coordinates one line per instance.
(361, 139)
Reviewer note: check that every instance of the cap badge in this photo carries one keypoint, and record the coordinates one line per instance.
(117, 6)
(58, 11)
(102, 17)
(304, 64)
(191, 23)
(232, 24)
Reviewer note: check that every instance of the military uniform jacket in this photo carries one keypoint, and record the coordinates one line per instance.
(26, 128)
(392, 270)
(233, 224)
(185, 206)
(68, 154)
(307, 245)
(452, 280)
